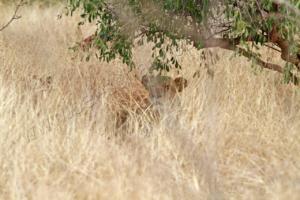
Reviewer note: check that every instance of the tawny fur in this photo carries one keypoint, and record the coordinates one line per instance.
(140, 98)
(163, 86)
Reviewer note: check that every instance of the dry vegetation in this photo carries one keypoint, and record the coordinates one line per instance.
(231, 134)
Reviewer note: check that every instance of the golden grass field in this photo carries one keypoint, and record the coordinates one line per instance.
(234, 132)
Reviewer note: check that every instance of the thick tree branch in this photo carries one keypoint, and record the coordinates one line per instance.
(233, 46)
(15, 15)
(259, 61)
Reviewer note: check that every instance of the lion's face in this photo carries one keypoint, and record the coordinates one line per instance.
(163, 86)
(139, 98)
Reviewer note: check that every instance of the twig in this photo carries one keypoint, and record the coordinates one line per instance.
(260, 11)
(15, 15)
(219, 32)
(271, 47)
(288, 5)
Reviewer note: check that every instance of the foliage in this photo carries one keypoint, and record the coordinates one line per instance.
(241, 26)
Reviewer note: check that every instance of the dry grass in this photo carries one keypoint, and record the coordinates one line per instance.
(230, 135)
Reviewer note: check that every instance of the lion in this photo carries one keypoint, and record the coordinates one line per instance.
(141, 98)
(124, 101)
(163, 86)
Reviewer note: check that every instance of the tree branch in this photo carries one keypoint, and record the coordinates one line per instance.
(182, 28)
(15, 15)
(233, 46)
(259, 61)
(177, 25)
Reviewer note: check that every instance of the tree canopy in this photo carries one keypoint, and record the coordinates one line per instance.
(236, 25)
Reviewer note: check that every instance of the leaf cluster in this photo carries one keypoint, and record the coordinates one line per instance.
(165, 23)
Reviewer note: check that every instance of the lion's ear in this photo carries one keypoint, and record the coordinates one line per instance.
(180, 83)
(145, 80)
(49, 80)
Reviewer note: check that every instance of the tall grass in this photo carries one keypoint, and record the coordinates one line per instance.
(234, 133)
